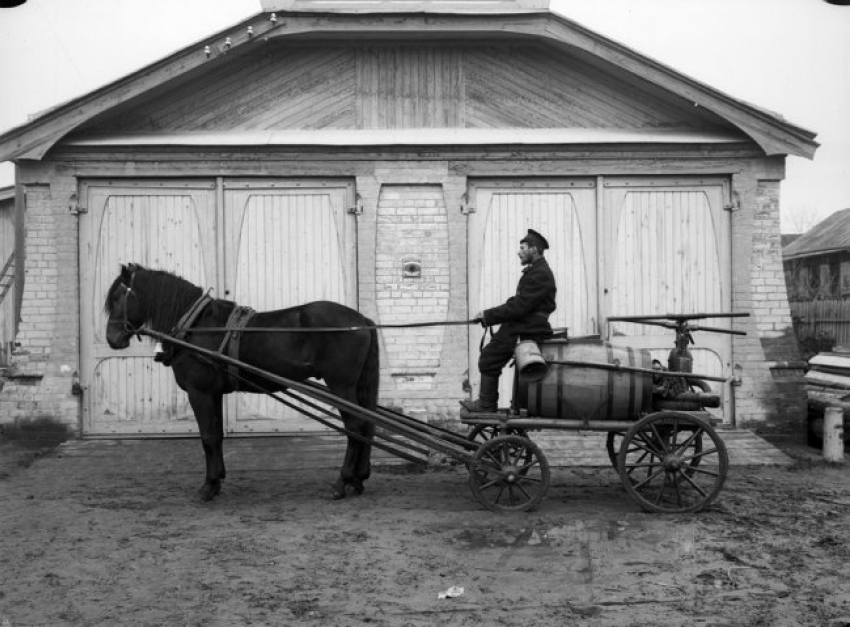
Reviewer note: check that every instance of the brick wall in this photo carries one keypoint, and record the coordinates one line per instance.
(45, 362)
(419, 273)
(772, 392)
(412, 280)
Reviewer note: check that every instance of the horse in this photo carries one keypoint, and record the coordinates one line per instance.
(347, 361)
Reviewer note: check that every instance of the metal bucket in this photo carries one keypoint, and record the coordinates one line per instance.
(530, 364)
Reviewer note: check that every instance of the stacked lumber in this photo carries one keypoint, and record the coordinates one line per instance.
(830, 370)
(828, 380)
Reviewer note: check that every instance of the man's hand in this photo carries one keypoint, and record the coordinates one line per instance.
(479, 317)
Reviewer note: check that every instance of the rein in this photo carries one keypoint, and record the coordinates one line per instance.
(185, 325)
(410, 325)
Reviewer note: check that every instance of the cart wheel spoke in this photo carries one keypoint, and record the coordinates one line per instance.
(696, 434)
(694, 485)
(509, 473)
(663, 488)
(649, 478)
(647, 444)
(659, 438)
(702, 471)
(523, 490)
(701, 454)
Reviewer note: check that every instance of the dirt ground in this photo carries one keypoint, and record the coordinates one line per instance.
(108, 533)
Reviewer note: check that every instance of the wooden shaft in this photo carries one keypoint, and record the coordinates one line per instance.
(427, 439)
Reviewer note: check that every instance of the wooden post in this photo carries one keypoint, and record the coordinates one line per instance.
(833, 435)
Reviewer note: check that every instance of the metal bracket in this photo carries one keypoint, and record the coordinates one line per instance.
(75, 207)
(734, 205)
(357, 209)
(465, 207)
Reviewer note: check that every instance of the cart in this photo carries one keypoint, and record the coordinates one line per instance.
(661, 437)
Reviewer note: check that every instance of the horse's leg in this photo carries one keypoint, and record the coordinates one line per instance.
(356, 465)
(209, 415)
(363, 462)
(351, 473)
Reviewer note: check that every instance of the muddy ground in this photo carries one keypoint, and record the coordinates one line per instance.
(108, 533)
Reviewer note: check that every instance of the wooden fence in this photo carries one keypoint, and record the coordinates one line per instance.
(827, 319)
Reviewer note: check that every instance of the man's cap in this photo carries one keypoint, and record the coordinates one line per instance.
(533, 238)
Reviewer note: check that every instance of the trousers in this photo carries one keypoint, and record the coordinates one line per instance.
(499, 351)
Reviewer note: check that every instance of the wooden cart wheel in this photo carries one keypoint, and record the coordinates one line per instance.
(482, 433)
(665, 467)
(615, 442)
(509, 474)
(612, 445)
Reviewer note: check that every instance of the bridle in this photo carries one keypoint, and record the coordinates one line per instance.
(128, 328)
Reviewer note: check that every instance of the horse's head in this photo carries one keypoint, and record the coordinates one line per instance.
(123, 308)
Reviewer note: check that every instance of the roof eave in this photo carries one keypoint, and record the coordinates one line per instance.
(814, 253)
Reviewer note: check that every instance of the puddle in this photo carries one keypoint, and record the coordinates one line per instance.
(542, 535)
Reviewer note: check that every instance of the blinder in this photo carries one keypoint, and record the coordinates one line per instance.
(128, 290)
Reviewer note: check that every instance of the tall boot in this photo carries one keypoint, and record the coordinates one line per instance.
(488, 396)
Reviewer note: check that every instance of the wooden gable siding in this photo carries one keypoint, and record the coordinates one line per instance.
(303, 89)
(534, 88)
(408, 86)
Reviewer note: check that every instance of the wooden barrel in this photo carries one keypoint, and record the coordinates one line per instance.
(585, 393)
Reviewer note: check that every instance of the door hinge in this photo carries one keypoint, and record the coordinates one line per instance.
(465, 207)
(357, 209)
(75, 207)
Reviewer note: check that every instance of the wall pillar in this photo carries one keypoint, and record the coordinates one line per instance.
(771, 395)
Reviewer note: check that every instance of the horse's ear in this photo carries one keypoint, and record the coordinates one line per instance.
(127, 271)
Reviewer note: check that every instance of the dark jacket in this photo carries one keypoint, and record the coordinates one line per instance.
(527, 313)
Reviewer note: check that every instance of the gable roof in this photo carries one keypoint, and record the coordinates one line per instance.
(829, 236)
(33, 139)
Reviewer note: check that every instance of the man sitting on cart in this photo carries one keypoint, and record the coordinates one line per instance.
(524, 316)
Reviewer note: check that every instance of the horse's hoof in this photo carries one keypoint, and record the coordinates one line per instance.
(209, 491)
(338, 494)
(358, 487)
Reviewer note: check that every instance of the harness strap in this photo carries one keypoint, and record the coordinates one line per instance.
(236, 323)
(183, 328)
(188, 319)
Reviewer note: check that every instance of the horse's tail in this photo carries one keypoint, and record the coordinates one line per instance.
(370, 375)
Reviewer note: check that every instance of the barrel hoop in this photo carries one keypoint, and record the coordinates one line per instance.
(611, 374)
(559, 397)
(538, 388)
(632, 381)
(535, 397)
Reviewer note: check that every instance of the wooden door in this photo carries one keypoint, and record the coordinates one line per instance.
(7, 284)
(164, 225)
(667, 250)
(286, 243)
(564, 211)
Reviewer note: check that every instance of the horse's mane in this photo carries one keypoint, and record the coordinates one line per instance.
(163, 296)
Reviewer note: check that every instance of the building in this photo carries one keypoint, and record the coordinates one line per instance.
(9, 296)
(390, 156)
(817, 264)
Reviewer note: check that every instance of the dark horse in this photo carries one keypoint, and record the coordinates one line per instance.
(347, 361)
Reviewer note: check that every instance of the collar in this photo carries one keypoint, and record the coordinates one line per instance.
(536, 262)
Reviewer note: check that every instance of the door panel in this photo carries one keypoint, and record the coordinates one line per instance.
(168, 226)
(286, 244)
(269, 245)
(667, 246)
(564, 211)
